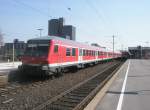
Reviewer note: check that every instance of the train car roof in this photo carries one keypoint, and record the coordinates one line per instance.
(71, 42)
(67, 41)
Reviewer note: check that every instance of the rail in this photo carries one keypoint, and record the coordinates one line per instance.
(79, 96)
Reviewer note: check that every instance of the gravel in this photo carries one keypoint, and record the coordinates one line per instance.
(29, 95)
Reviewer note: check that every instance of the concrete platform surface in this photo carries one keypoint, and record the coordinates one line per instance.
(130, 90)
(5, 70)
(6, 67)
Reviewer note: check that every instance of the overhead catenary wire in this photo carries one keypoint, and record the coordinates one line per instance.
(101, 17)
(95, 10)
(31, 8)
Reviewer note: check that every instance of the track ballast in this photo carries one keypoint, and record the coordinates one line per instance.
(78, 97)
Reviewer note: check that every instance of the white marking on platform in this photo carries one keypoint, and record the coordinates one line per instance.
(119, 107)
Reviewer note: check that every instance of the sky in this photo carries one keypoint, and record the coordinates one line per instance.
(96, 21)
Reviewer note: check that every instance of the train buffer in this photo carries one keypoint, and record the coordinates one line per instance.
(129, 90)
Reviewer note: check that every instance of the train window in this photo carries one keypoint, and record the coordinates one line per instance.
(86, 52)
(68, 52)
(80, 52)
(89, 52)
(104, 53)
(101, 53)
(96, 53)
(73, 52)
(83, 52)
(55, 48)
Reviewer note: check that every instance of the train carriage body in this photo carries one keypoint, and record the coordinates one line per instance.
(51, 54)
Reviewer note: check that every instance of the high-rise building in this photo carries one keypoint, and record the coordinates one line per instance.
(55, 26)
(68, 32)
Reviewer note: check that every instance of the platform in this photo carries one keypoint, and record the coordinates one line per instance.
(5, 70)
(8, 66)
(130, 90)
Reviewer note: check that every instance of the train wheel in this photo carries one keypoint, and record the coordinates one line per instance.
(58, 72)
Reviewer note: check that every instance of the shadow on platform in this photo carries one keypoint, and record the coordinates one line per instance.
(140, 92)
(143, 75)
(116, 92)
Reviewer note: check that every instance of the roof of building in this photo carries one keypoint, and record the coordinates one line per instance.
(139, 47)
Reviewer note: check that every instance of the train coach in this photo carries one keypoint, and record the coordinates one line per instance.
(52, 54)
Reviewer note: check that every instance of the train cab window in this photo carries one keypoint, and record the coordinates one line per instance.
(55, 48)
(73, 52)
(68, 52)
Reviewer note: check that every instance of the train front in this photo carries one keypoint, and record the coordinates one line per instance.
(35, 58)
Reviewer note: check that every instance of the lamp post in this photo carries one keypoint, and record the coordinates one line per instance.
(141, 52)
(13, 52)
(113, 44)
(40, 29)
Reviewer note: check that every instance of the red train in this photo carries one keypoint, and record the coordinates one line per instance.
(52, 54)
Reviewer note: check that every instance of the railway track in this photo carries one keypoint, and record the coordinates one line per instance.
(78, 97)
(16, 88)
(27, 95)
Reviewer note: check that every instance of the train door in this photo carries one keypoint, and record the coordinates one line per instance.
(56, 54)
(60, 57)
(80, 55)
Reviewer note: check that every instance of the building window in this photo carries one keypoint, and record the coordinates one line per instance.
(73, 52)
(55, 48)
(68, 53)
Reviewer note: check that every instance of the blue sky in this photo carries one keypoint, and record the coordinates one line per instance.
(95, 20)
